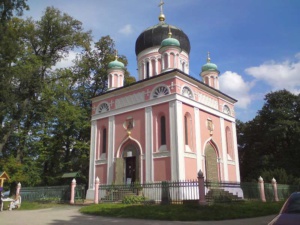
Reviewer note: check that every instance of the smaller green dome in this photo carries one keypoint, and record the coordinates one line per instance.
(170, 42)
(116, 65)
(209, 66)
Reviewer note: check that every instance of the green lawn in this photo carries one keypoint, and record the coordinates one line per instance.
(221, 211)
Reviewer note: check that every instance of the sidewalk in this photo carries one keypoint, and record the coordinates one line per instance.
(67, 215)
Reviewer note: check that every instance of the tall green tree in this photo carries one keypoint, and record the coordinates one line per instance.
(9, 8)
(45, 112)
(26, 74)
(270, 142)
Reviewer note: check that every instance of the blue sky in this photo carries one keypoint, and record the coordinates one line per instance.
(255, 43)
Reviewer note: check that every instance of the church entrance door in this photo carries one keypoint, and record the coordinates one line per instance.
(211, 164)
(130, 169)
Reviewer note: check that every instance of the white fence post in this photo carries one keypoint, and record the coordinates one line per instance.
(73, 185)
(262, 189)
(274, 184)
(96, 197)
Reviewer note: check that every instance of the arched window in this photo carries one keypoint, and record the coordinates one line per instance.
(172, 60)
(147, 70)
(104, 140)
(153, 67)
(206, 80)
(226, 110)
(229, 143)
(183, 66)
(186, 128)
(187, 92)
(162, 130)
(160, 91)
(188, 132)
(103, 108)
(166, 65)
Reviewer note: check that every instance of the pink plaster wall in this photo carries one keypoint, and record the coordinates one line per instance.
(231, 173)
(138, 131)
(190, 168)
(162, 169)
(101, 172)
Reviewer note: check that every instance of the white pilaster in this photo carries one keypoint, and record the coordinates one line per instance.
(110, 149)
(90, 192)
(156, 66)
(198, 141)
(224, 150)
(236, 154)
(177, 146)
(149, 144)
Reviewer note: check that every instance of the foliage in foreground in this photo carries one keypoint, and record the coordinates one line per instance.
(185, 212)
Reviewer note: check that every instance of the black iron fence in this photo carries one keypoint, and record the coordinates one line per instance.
(178, 192)
(165, 192)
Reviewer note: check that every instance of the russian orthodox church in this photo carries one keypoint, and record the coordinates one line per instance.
(168, 125)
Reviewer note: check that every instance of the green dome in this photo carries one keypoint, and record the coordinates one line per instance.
(209, 67)
(116, 65)
(170, 42)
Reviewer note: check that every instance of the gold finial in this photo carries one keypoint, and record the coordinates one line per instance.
(170, 33)
(116, 54)
(208, 57)
(161, 16)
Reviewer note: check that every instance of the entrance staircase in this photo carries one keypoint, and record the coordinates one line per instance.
(117, 195)
(220, 195)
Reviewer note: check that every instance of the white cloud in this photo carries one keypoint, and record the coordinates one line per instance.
(66, 61)
(279, 75)
(233, 84)
(126, 30)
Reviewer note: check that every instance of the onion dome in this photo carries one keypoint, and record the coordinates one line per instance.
(116, 64)
(209, 66)
(153, 36)
(170, 41)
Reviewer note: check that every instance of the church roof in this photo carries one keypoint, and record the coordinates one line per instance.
(202, 84)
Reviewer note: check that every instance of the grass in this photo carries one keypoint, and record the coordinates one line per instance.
(33, 205)
(180, 212)
(38, 205)
(221, 211)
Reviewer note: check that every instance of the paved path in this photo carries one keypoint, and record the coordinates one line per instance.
(70, 215)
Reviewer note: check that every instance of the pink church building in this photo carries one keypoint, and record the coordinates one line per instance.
(168, 125)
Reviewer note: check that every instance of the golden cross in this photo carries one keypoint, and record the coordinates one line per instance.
(161, 6)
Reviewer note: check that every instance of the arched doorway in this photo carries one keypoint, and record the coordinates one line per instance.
(211, 163)
(128, 165)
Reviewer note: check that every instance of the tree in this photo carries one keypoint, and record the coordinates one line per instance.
(45, 112)
(43, 44)
(270, 141)
(26, 74)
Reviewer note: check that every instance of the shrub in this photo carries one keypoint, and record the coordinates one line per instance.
(133, 199)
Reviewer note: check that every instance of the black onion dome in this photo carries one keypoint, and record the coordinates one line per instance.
(153, 36)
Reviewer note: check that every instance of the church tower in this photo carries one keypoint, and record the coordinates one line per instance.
(115, 74)
(170, 51)
(153, 57)
(210, 74)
